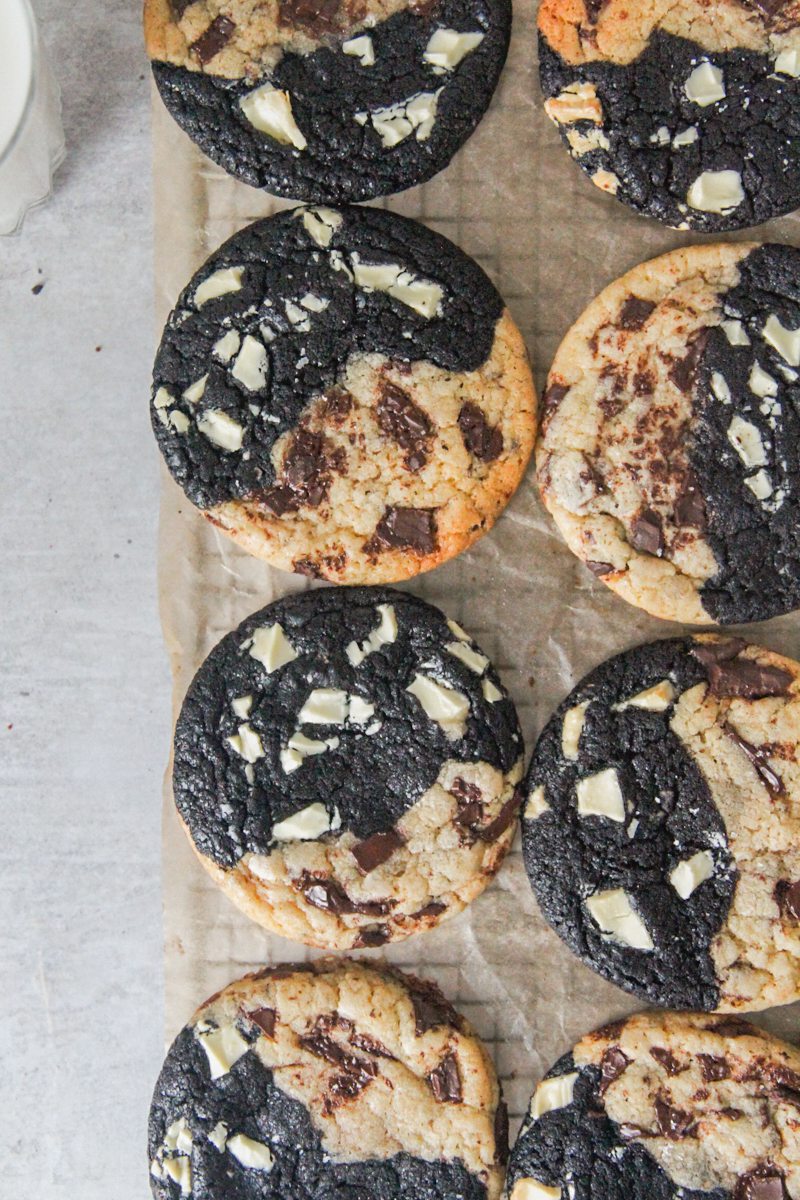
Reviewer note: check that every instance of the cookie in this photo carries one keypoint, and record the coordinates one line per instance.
(327, 1082)
(346, 766)
(331, 101)
(660, 827)
(663, 1105)
(668, 453)
(688, 112)
(344, 393)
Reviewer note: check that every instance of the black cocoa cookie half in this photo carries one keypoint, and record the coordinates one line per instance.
(660, 828)
(344, 393)
(331, 101)
(327, 1082)
(668, 447)
(347, 766)
(664, 1104)
(688, 112)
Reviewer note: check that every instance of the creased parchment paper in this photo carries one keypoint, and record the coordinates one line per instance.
(550, 241)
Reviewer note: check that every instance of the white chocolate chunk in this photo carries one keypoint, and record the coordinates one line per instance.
(607, 181)
(227, 279)
(178, 1137)
(241, 706)
(532, 1189)
(227, 346)
(221, 429)
(271, 647)
(360, 711)
(179, 1170)
(250, 1153)
(320, 224)
(179, 421)
(537, 804)
(423, 295)
(444, 705)
(299, 748)
(686, 137)
(716, 192)
(705, 85)
(572, 729)
(270, 111)
(224, 1046)
(219, 1135)
(362, 48)
(324, 706)
(614, 913)
(247, 743)
(552, 1094)
(490, 693)
(314, 303)
(471, 658)
(654, 699)
(163, 399)
(308, 824)
(719, 386)
(788, 63)
(581, 143)
(447, 47)
(761, 383)
(689, 874)
(760, 485)
(397, 122)
(661, 136)
(195, 390)
(251, 365)
(383, 635)
(297, 316)
(735, 333)
(460, 633)
(576, 102)
(785, 341)
(600, 795)
(746, 441)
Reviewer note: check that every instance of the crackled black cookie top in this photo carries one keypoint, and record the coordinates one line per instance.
(348, 758)
(686, 112)
(339, 100)
(664, 1104)
(669, 446)
(327, 1083)
(659, 832)
(342, 391)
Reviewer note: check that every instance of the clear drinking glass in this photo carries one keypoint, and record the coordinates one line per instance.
(31, 134)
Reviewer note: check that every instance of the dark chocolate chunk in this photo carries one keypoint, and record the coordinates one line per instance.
(312, 16)
(683, 370)
(213, 39)
(445, 1081)
(599, 568)
(646, 533)
(674, 1123)
(430, 1007)
(551, 398)
(371, 1045)
(759, 757)
(729, 674)
(331, 897)
(731, 1027)
(404, 529)
(264, 1018)
(613, 1063)
(690, 506)
(483, 440)
(732, 1114)
(433, 909)
(667, 1060)
(308, 465)
(787, 897)
(375, 935)
(406, 423)
(634, 312)
(764, 1182)
(375, 850)
(713, 1067)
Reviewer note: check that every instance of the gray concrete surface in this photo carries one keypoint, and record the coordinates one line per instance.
(84, 692)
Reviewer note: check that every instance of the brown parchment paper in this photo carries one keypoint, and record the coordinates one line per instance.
(550, 241)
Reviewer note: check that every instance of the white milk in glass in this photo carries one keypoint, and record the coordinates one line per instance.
(31, 137)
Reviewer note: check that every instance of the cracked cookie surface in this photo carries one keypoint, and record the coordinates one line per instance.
(660, 829)
(327, 1082)
(341, 100)
(343, 392)
(688, 112)
(347, 766)
(665, 1101)
(669, 430)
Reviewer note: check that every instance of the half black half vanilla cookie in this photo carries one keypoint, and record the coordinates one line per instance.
(688, 112)
(347, 766)
(327, 1082)
(660, 827)
(663, 1105)
(344, 393)
(331, 100)
(668, 450)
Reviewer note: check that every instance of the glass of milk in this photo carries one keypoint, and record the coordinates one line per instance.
(31, 135)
